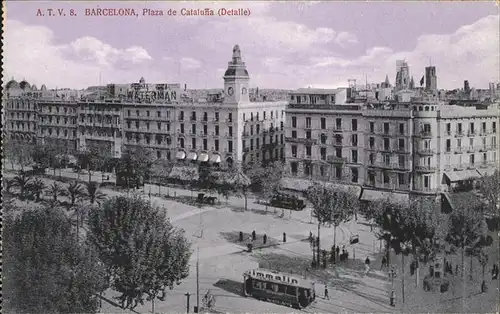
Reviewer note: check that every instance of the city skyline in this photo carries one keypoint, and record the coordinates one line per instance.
(459, 39)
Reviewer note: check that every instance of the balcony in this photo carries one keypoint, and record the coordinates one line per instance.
(459, 134)
(471, 133)
(425, 168)
(425, 134)
(336, 160)
(426, 151)
(337, 129)
(483, 132)
(470, 149)
(246, 149)
(400, 150)
(459, 150)
(301, 140)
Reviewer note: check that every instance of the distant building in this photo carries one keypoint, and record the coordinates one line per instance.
(402, 75)
(430, 79)
(466, 87)
(224, 128)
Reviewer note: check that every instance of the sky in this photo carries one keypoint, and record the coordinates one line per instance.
(285, 45)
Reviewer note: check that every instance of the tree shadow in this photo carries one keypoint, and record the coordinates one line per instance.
(234, 237)
(230, 286)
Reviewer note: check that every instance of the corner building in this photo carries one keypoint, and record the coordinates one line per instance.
(388, 147)
(225, 129)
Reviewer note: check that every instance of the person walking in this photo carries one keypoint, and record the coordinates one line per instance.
(384, 262)
(337, 249)
(367, 265)
(326, 293)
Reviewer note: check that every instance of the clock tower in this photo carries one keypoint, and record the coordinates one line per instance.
(236, 80)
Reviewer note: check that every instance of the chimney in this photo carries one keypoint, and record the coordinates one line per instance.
(185, 87)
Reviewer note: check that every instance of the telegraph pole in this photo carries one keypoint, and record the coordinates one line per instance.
(187, 305)
(198, 279)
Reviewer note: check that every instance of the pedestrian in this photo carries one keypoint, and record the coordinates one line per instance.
(367, 265)
(310, 236)
(338, 251)
(264, 239)
(384, 262)
(326, 293)
(494, 272)
(254, 235)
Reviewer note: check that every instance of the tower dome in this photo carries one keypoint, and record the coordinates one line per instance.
(34, 87)
(12, 84)
(24, 84)
(43, 88)
(236, 67)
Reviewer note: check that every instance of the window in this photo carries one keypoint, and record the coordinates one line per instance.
(181, 141)
(354, 155)
(387, 159)
(181, 116)
(338, 152)
(471, 142)
(354, 175)
(308, 122)
(338, 172)
(386, 144)
(323, 138)
(294, 134)
(471, 159)
(230, 117)
(293, 167)
(137, 113)
(308, 151)
(257, 143)
(323, 123)
(401, 128)
(272, 114)
(386, 128)
(372, 142)
(281, 139)
(282, 126)
(257, 129)
(472, 131)
(205, 129)
(264, 116)
(401, 143)
(294, 151)
(386, 178)
(354, 124)
(251, 130)
(494, 142)
(158, 154)
(323, 153)
(147, 113)
(217, 130)
(216, 143)
(216, 116)
(372, 127)
(427, 182)
(158, 114)
(354, 140)
(338, 123)
(193, 128)
(459, 128)
(159, 126)
(308, 135)
(371, 177)
(494, 126)
(338, 139)
(401, 179)
(322, 171)
(230, 146)
(459, 143)
(193, 143)
(485, 158)
(128, 113)
(182, 128)
(230, 131)
(401, 161)
(448, 145)
(251, 144)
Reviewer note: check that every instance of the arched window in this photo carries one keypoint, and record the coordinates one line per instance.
(426, 108)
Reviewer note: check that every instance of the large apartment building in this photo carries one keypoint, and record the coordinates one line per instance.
(415, 147)
(225, 128)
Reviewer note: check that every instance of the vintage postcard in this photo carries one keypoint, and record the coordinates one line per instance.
(250, 157)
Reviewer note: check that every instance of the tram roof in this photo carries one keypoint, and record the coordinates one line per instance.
(303, 283)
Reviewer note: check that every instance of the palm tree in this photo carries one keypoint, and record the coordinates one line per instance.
(36, 187)
(22, 181)
(55, 190)
(7, 184)
(93, 194)
(74, 191)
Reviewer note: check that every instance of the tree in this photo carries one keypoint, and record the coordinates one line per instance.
(74, 191)
(134, 165)
(90, 159)
(330, 205)
(37, 187)
(239, 182)
(45, 269)
(93, 194)
(55, 190)
(7, 184)
(22, 181)
(467, 230)
(489, 187)
(18, 153)
(266, 181)
(143, 253)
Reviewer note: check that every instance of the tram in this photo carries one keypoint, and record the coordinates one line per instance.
(278, 287)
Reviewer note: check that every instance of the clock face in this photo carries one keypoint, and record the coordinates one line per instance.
(230, 91)
(244, 90)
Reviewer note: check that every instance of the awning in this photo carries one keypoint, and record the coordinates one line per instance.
(302, 185)
(463, 175)
(180, 155)
(373, 195)
(215, 159)
(192, 156)
(487, 171)
(203, 157)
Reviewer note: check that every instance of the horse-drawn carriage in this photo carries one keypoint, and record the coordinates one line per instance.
(202, 199)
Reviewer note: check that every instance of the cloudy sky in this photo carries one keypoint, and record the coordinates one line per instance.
(285, 45)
